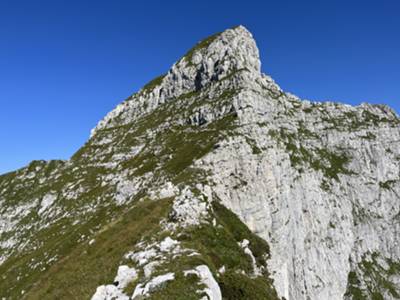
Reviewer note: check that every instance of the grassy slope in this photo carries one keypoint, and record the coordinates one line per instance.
(83, 267)
(88, 266)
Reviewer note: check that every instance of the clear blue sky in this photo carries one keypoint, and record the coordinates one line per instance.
(65, 64)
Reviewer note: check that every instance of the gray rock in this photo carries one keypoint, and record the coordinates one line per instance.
(319, 181)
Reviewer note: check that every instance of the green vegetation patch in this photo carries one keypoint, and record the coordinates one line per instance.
(201, 45)
(182, 288)
(179, 147)
(152, 84)
(236, 286)
(330, 163)
(387, 185)
(375, 278)
(219, 246)
(77, 275)
(254, 148)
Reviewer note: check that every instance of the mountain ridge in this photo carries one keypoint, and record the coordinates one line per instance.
(149, 196)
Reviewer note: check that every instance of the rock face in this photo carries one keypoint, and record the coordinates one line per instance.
(318, 182)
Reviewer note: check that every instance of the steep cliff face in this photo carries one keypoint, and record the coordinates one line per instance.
(144, 208)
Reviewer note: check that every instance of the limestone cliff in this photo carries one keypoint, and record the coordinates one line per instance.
(147, 202)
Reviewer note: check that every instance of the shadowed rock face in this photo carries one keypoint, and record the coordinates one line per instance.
(318, 182)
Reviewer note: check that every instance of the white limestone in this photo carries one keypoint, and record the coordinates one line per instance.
(145, 289)
(125, 276)
(212, 288)
(310, 257)
(245, 245)
(167, 244)
(188, 209)
(46, 202)
(109, 292)
(271, 170)
(235, 48)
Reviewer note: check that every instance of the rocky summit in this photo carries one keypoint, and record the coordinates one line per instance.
(212, 183)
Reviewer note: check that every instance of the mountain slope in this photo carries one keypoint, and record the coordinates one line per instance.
(146, 203)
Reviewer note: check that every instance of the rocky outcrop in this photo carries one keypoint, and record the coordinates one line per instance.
(212, 60)
(318, 182)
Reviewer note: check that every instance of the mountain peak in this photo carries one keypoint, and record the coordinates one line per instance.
(218, 57)
(234, 48)
(211, 182)
(212, 59)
